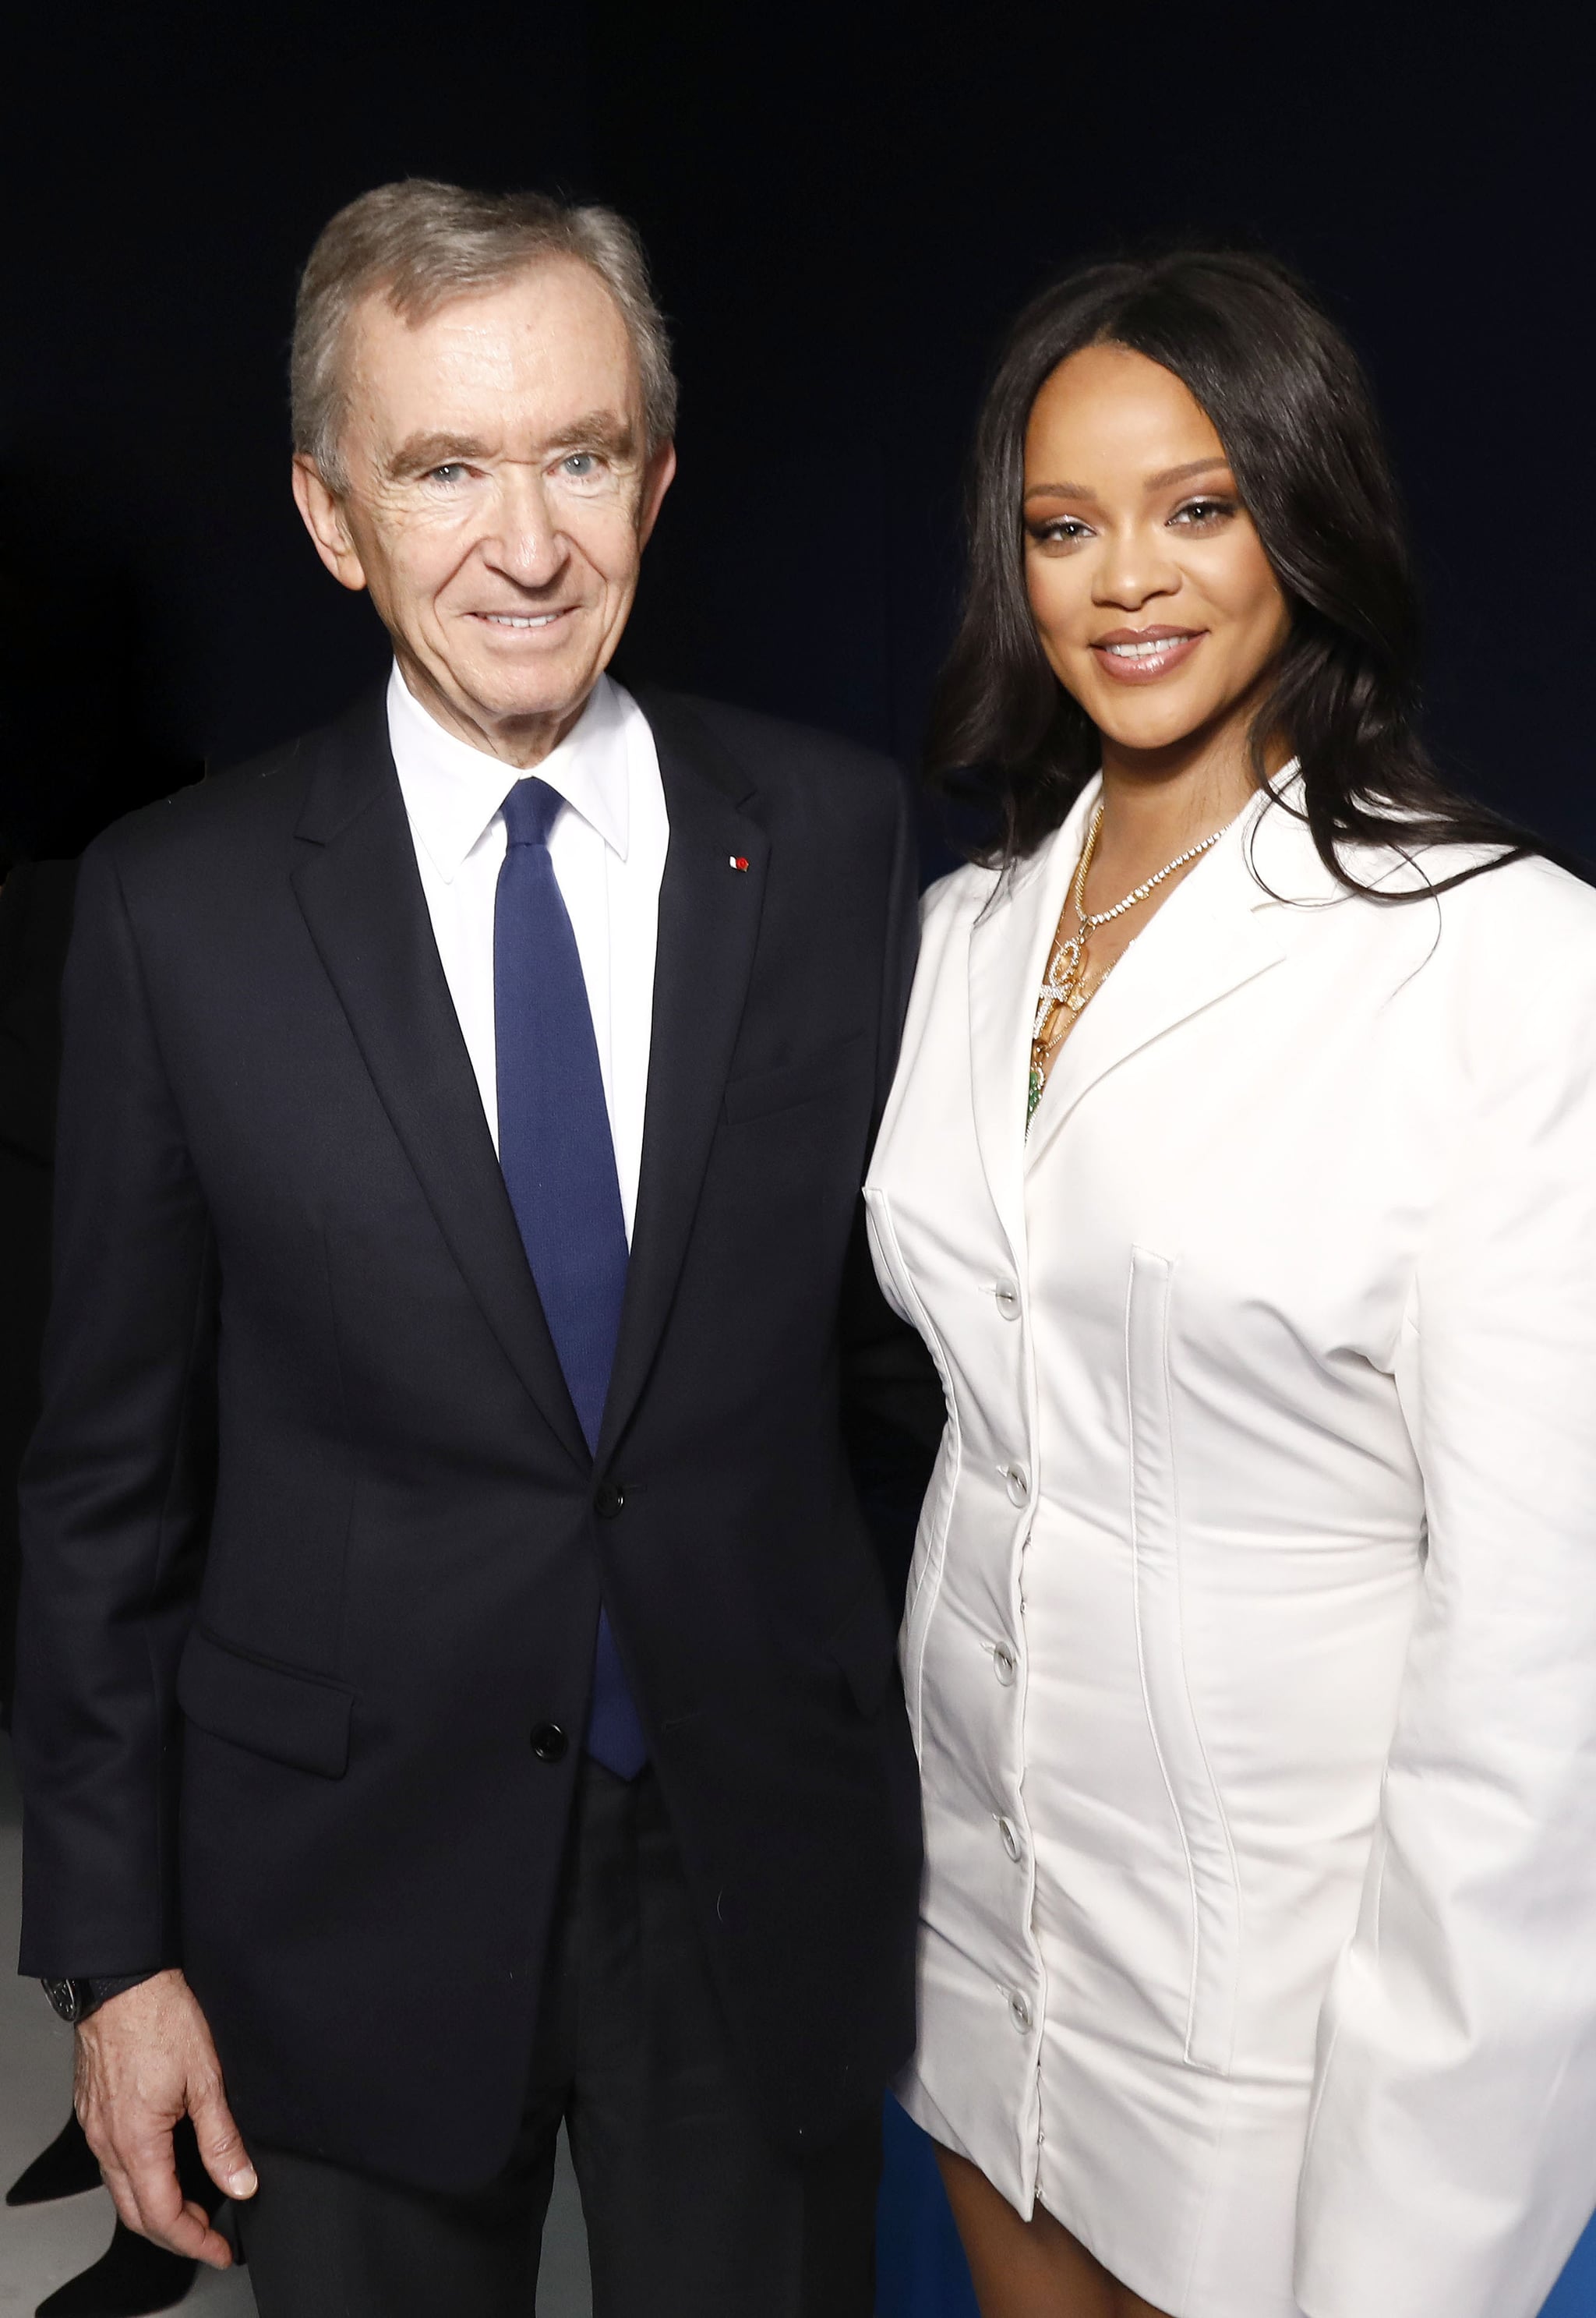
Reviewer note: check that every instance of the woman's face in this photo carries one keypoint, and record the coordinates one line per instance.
(1152, 596)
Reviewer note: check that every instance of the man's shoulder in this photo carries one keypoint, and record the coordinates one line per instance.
(771, 752)
(237, 800)
(240, 814)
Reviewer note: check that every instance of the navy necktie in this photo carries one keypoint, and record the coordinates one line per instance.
(558, 1166)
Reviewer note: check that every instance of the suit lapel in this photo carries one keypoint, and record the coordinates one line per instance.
(1218, 929)
(709, 926)
(1010, 943)
(360, 893)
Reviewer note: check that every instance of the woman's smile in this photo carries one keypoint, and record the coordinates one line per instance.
(1143, 655)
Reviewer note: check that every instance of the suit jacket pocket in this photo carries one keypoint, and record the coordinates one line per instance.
(298, 1719)
(758, 1091)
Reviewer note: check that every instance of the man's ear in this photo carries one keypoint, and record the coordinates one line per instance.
(657, 478)
(323, 513)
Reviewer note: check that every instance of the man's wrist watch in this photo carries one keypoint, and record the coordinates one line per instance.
(75, 1999)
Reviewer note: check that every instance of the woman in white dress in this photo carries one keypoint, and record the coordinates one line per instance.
(1240, 1176)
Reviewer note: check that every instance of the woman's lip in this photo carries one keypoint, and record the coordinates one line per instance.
(1174, 647)
(1151, 634)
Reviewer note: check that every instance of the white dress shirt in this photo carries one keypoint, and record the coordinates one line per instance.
(607, 846)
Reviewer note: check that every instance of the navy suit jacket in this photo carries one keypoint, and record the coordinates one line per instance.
(313, 1543)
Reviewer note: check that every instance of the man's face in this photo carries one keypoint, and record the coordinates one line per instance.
(500, 495)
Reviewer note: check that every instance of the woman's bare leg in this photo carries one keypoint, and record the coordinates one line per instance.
(1028, 2269)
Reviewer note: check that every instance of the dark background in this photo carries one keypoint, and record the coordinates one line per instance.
(843, 206)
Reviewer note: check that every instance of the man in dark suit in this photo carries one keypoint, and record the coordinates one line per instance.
(456, 1690)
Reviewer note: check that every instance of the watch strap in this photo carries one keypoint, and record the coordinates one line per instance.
(101, 1991)
(75, 2000)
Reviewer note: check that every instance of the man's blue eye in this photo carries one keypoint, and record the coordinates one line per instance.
(580, 463)
(447, 473)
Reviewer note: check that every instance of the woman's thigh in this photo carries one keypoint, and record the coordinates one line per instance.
(1028, 2269)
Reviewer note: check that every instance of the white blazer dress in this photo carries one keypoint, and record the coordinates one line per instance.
(1250, 1637)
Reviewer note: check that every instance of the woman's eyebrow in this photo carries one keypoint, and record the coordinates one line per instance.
(1179, 474)
(1158, 482)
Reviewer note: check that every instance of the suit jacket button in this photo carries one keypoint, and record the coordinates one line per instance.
(608, 1500)
(548, 1742)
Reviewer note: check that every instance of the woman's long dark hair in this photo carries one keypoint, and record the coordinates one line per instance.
(1289, 402)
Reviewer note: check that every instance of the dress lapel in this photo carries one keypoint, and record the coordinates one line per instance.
(359, 888)
(709, 926)
(1220, 928)
(1010, 943)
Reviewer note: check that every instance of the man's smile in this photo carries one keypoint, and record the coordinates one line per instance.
(519, 622)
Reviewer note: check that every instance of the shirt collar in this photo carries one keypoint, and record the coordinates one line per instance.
(453, 792)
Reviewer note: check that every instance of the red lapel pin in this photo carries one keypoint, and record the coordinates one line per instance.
(737, 860)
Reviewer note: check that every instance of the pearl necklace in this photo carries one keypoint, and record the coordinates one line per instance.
(1063, 986)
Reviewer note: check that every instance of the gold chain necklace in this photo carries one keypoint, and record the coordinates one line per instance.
(1064, 985)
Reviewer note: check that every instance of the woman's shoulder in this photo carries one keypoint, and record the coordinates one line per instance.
(1472, 885)
(1527, 902)
(1532, 906)
(1512, 941)
(1518, 944)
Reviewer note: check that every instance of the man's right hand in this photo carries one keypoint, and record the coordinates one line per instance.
(144, 2060)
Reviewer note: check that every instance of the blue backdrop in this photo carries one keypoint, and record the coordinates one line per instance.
(922, 2272)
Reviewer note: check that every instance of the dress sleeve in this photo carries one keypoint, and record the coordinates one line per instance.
(1451, 2160)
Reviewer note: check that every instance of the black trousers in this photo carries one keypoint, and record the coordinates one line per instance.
(691, 2212)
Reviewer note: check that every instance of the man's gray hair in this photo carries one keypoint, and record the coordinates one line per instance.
(423, 243)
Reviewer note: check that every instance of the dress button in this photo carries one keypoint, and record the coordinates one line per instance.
(548, 1742)
(1007, 1296)
(1019, 2012)
(608, 1498)
(1007, 1829)
(1017, 1480)
(1004, 1664)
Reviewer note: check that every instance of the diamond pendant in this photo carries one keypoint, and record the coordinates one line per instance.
(1054, 993)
